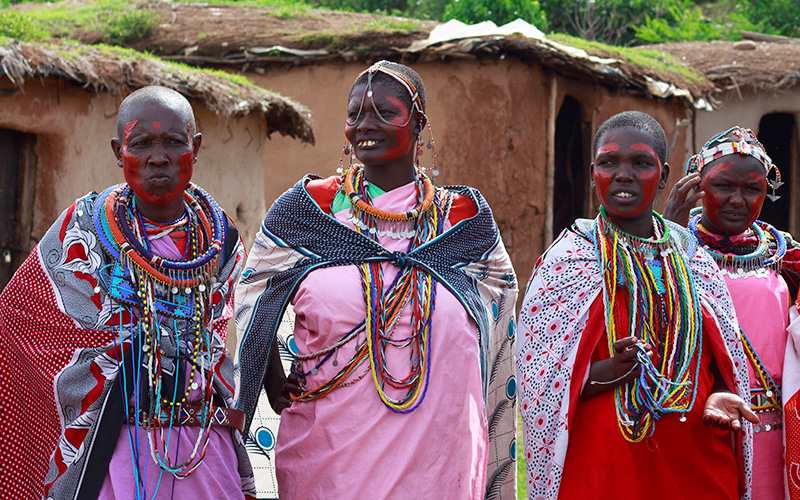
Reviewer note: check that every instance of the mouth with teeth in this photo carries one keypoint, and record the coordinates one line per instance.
(367, 143)
(624, 195)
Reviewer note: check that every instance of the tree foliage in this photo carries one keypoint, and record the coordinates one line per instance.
(499, 11)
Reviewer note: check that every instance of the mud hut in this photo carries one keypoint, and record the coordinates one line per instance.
(757, 84)
(58, 107)
(513, 112)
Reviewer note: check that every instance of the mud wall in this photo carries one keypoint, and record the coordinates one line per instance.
(74, 128)
(492, 124)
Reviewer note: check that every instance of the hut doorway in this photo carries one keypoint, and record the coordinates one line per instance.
(17, 172)
(569, 178)
(778, 133)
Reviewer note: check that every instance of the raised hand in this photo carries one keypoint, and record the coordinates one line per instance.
(681, 199)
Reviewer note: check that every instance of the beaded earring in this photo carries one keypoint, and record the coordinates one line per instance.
(774, 183)
(434, 170)
(347, 149)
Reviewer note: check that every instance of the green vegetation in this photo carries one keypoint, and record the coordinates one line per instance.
(117, 21)
(394, 24)
(284, 9)
(499, 11)
(650, 59)
(20, 26)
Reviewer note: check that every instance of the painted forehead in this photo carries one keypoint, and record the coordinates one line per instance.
(734, 164)
(635, 138)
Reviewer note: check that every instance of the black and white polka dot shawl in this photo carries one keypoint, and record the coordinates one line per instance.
(469, 259)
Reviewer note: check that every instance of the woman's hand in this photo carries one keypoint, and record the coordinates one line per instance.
(679, 202)
(725, 410)
(621, 368)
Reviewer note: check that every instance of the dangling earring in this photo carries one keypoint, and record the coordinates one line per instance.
(774, 183)
(432, 147)
(346, 150)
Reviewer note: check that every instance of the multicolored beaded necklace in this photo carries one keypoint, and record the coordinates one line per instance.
(385, 308)
(663, 311)
(757, 263)
(400, 225)
(160, 290)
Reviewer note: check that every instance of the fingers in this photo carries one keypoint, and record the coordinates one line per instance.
(748, 414)
(679, 203)
(717, 418)
(625, 344)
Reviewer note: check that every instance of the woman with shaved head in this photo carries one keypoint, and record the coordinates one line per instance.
(114, 332)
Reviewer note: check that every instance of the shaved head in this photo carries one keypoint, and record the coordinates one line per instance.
(162, 96)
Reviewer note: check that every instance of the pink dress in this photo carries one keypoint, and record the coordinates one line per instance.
(762, 308)
(217, 477)
(347, 444)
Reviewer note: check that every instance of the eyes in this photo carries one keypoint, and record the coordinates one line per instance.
(170, 142)
(727, 186)
(641, 162)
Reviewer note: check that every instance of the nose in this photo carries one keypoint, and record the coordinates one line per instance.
(624, 172)
(158, 154)
(737, 198)
(366, 121)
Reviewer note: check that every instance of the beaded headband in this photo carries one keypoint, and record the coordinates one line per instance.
(380, 66)
(416, 100)
(736, 140)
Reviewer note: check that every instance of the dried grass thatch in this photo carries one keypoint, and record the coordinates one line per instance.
(119, 71)
(749, 65)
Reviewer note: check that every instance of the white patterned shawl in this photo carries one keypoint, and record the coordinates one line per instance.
(566, 281)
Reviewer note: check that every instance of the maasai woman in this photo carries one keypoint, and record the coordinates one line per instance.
(762, 269)
(403, 295)
(113, 331)
(630, 345)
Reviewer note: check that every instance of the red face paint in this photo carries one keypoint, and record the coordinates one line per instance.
(383, 135)
(626, 174)
(735, 193)
(132, 164)
(404, 140)
(713, 198)
(156, 125)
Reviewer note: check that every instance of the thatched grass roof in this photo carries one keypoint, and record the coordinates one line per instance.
(748, 65)
(119, 71)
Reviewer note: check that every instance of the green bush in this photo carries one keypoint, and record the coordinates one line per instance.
(18, 25)
(499, 11)
(126, 26)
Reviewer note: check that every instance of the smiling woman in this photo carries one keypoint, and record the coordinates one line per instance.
(404, 298)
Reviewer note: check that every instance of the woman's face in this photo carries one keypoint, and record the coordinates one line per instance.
(735, 187)
(377, 141)
(627, 174)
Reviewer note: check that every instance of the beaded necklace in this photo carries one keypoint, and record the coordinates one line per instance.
(755, 263)
(663, 311)
(411, 286)
(397, 225)
(163, 290)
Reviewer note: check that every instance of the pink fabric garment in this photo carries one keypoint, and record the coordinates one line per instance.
(348, 444)
(217, 477)
(762, 307)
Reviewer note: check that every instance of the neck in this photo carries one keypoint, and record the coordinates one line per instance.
(167, 212)
(641, 227)
(388, 177)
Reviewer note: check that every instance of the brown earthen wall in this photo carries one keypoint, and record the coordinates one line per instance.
(490, 123)
(73, 130)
